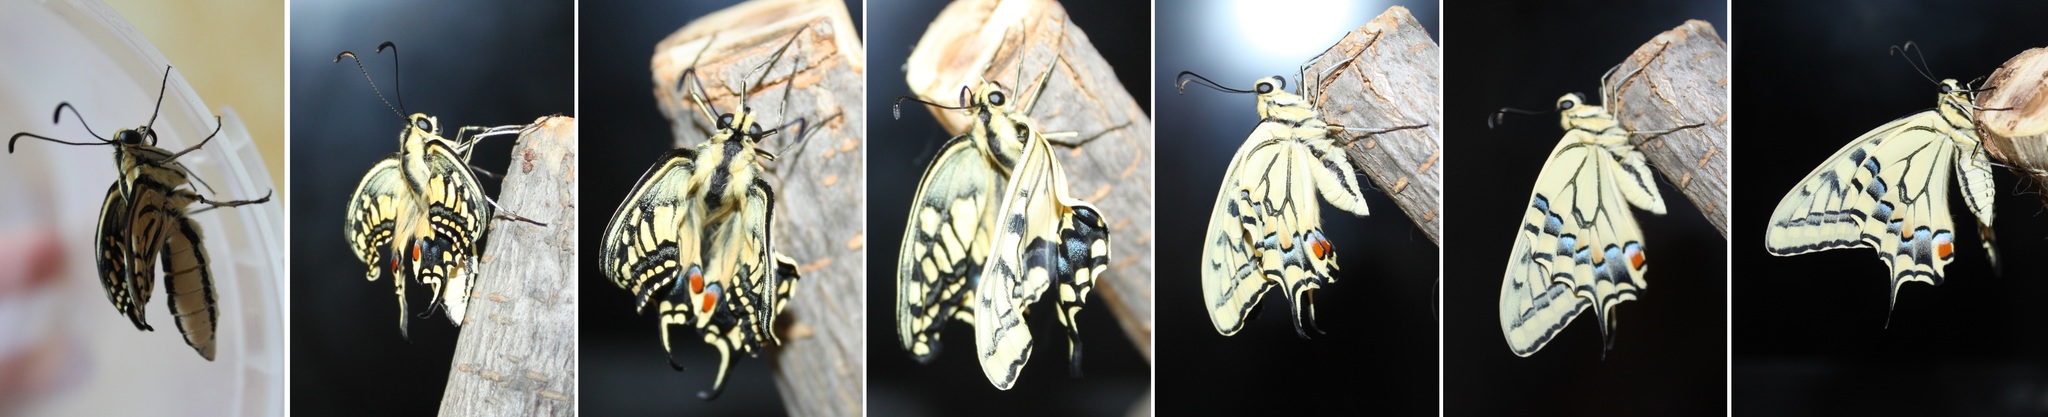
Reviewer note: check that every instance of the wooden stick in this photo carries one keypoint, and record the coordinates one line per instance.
(2018, 137)
(516, 355)
(1395, 80)
(1680, 78)
(973, 40)
(820, 188)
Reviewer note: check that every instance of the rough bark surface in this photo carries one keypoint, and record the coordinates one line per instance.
(820, 183)
(992, 39)
(1680, 78)
(2018, 137)
(516, 355)
(1386, 74)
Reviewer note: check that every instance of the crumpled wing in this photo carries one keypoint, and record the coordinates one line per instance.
(945, 244)
(1041, 237)
(189, 279)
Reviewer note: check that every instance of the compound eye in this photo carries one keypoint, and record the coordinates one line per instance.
(1265, 88)
(422, 124)
(754, 130)
(1566, 105)
(995, 98)
(1945, 89)
(725, 121)
(128, 137)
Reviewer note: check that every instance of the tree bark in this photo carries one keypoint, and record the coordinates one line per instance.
(516, 355)
(1386, 74)
(2018, 137)
(1680, 78)
(992, 39)
(820, 182)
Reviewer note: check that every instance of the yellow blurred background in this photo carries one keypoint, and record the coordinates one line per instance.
(232, 52)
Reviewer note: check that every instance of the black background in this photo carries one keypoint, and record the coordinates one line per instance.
(1379, 315)
(1115, 376)
(1810, 330)
(468, 63)
(1669, 354)
(624, 370)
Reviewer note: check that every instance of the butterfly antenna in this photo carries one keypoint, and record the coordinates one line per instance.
(159, 101)
(1921, 67)
(373, 82)
(397, 78)
(1499, 117)
(1181, 83)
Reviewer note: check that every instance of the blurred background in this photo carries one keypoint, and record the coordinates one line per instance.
(1115, 377)
(64, 350)
(1670, 349)
(480, 63)
(624, 370)
(1816, 333)
(1380, 314)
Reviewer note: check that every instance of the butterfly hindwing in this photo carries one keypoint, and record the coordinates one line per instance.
(1578, 247)
(1887, 191)
(945, 244)
(457, 216)
(1041, 237)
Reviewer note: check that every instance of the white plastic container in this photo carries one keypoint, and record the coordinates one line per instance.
(82, 52)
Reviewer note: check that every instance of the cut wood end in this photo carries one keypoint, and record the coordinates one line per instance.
(1393, 20)
(2018, 137)
(962, 44)
(750, 29)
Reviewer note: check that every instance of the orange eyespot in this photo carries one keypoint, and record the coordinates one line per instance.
(709, 300)
(696, 280)
(1636, 261)
(1944, 249)
(415, 253)
(1321, 247)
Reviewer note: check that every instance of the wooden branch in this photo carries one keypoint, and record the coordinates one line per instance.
(1680, 78)
(516, 355)
(976, 39)
(1394, 80)
(820, 187)
(2018, 137)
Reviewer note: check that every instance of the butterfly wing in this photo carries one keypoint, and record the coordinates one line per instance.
(1578, 246)
(457, 216)
(1042, 237)
(1266, 228)
(115, 256)
(945, 243)
(646, 245)
(1887, 191)
(189, 279)
(374, 211)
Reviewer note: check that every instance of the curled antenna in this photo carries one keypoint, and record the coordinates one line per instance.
(1181, 83)
(896, 110)
(55, 118)
(1922, 65)
(373, 83)
(1499, 117)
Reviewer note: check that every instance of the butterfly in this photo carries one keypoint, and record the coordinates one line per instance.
(144, 221)
(1888, 191)
(1266, 228)
(697, 235)
(1578, 246)
(991, 229)
(424, 208)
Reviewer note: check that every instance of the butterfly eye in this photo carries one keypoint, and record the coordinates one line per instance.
(1945, 89)
(422, 124)
(1265, 87)
(995, 98)
(129, 137)
(725, 121)
(754, 130)
(1566, 105)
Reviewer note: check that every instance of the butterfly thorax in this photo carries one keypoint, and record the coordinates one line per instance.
(1574, 115)
(1955, 106)
(1000, 132)
(727, 165)
(420, 131)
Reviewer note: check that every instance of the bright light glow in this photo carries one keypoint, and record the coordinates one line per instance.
(1289, 32)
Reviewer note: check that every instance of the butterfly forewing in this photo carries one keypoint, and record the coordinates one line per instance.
(945, 245)
(1887, 191)
(643, 245)
(1578, 246)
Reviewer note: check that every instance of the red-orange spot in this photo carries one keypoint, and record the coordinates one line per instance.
(1944, 249)
(415, 253)
(696, 281)
(1637, 260)
(394, 264)
(1321, 247)
(709, 300)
